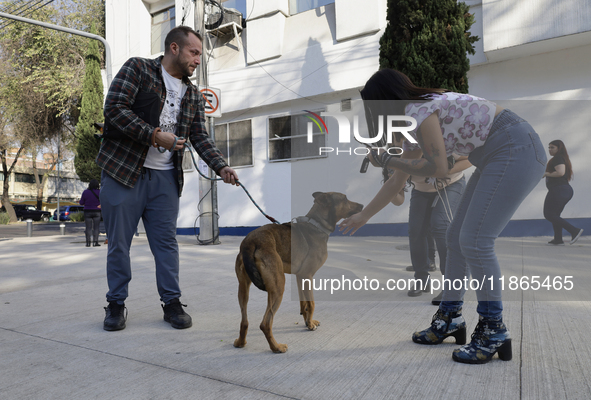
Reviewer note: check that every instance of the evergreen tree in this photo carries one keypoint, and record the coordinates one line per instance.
(91, 111)
(428, 40)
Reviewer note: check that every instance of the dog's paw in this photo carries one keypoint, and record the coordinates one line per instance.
(239, 343)
(312, 325)
(281, 348)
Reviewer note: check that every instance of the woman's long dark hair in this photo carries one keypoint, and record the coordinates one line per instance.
(390, 84)
(384, 86)
(568, 173)
(93, 184)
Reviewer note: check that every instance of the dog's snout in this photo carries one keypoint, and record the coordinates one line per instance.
(356, 206)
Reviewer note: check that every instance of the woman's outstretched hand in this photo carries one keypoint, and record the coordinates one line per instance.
(353, 223)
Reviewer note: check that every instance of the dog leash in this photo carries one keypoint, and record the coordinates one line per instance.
(273, 220)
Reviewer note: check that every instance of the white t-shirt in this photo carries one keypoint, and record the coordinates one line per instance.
(169, 120)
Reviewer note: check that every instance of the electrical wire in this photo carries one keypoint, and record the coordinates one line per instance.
(186, 7)
(24, 12)
(214, 239)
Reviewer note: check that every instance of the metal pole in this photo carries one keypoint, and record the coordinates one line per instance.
(59, 143)
(29, 227)
(203, 79)
(215, 230)
(200, 27)
(73, 32)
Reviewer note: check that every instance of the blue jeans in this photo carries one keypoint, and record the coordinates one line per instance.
(155, 199)
(431, 212)
(556, 200)
(508, 166)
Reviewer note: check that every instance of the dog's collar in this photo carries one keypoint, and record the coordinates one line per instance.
(312, 222)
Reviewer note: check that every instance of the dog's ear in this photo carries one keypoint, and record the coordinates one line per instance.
(321, 197)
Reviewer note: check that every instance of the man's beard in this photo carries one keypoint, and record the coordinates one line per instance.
(184, 67)
(186, 70)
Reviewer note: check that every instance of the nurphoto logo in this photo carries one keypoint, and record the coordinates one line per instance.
(345, 131)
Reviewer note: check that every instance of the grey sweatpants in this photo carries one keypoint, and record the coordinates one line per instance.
(154, 198)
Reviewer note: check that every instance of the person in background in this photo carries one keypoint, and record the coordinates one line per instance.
(433, 203)
(430, 254)
(559, 172)
(92, 212)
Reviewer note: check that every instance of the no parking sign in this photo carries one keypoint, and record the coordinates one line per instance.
(212, 97)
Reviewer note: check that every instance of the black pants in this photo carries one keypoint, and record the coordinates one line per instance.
(556, 200)
(92, 218)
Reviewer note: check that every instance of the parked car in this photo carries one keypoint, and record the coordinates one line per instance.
(66, 211)
(27, 211)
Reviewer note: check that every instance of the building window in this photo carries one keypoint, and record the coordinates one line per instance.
(298, 6)
(288, 138)
(162, 23)
(24, 178)
(234, 140)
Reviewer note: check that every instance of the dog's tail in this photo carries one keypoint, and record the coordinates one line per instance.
(248, 258)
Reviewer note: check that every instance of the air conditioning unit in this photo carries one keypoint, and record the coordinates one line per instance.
(232, 23)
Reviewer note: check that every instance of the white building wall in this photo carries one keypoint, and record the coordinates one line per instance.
(536, 52)
(317, 60)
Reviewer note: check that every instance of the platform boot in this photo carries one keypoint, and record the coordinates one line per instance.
(443, 325)
(489, 337)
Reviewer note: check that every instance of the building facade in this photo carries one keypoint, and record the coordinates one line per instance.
(23, 188)
(281, 64)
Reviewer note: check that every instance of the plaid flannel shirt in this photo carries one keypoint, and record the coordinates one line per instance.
(123, 158)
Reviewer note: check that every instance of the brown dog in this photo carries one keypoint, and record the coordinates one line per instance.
(298, 247)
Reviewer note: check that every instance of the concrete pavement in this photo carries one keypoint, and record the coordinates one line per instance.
(52, 345)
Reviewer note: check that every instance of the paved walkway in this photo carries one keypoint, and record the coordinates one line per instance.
(52, 345)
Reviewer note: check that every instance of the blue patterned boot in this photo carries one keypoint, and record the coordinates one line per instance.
(443, 324)
(489, 337)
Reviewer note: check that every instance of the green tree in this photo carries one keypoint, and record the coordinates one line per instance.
(428, 40)
(42, 78)
(91, 111)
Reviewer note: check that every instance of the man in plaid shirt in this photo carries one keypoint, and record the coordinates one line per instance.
(150, 111)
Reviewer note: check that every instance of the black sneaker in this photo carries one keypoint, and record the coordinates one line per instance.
(576, 237)
(116, 315)
(174, 313)
(555, 242)
(410, 268)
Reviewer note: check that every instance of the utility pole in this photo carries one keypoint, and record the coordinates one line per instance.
(208, 227)
(59, 178)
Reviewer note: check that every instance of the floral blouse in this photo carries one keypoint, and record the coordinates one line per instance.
(465, 120)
